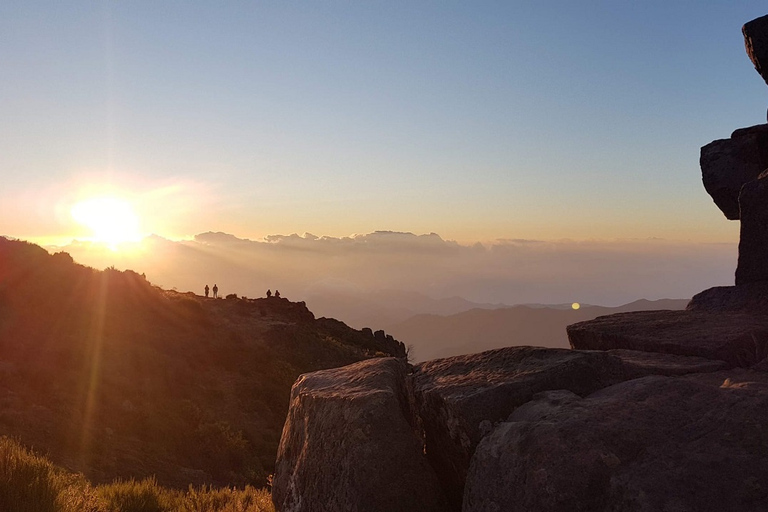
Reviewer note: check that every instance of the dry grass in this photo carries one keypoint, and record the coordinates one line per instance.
(31, 483)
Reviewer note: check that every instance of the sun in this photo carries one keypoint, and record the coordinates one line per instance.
(111, 220)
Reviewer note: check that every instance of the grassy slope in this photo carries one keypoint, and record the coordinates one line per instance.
(115, 378)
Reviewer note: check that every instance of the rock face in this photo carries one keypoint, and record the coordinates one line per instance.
(656, 443)
(459, 398)
(756, 42)
(753, 239)
(348, 444)
(739, 339)
(727, 164)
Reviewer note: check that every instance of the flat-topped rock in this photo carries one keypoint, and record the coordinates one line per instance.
(756, 43)
(727, 164)
(655, 443)
(349, 444)
(460, 398)
(739, 339)
(749, 298)
(641, 364)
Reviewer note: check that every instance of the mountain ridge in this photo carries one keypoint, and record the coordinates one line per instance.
(477, 330)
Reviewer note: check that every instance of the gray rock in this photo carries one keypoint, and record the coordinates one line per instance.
(753, 238)
(739, 339)
(349, 443)
(457, 397)
(641, 364)
(746, 298)
(649, 444)
(727, 164)
(756, 42)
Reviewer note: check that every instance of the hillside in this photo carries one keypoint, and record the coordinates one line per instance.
(113, 377)
(477, 330)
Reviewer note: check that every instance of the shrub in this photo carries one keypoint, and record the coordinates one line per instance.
(134, 496)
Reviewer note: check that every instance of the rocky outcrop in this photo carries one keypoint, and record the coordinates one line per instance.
(656, 443)
(737, 338)
(348, 444)
(727, 164)
(756, 42)
(732, 171)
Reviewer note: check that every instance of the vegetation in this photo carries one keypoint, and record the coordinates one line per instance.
(31, 483)
(114, 378)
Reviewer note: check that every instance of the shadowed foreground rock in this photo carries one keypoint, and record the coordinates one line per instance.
(347, 445)
(459, 398)
(650, 444)
(739, 339)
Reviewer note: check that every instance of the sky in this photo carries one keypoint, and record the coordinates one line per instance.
(475, 120)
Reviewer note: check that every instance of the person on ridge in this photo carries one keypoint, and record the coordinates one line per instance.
(277, 294)
(206, 291)
(269, 293)
(215, 291)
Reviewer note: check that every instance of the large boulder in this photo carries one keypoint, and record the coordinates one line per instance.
(756, 42)
(753, 239)
(350, 443)
(460, 398)
(727, 164)
(739, 339)
(655, 443)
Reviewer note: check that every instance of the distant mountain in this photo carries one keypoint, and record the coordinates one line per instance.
(385, 307)
(435, 336)
(116, 378)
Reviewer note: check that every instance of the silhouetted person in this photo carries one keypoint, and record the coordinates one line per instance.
(277, 294)
(206, 291)
(269, 293)
(215, 291)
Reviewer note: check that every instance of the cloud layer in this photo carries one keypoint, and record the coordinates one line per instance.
(366, 266)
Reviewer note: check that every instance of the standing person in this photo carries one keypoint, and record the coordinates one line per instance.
(269, 293)
(277, 294)
(206, 291)
(215, 291)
